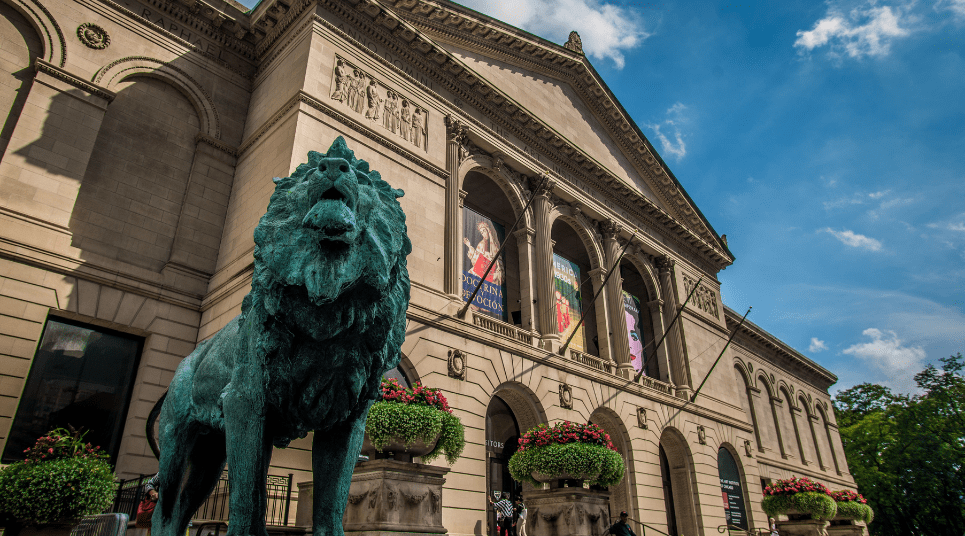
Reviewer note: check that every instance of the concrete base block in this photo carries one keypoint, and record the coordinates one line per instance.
(805, 527)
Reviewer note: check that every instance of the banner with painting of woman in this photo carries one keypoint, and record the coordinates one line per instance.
(566, 279)
(631, 311)
(482, 238)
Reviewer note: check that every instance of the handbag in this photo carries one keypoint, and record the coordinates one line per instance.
(145, 510)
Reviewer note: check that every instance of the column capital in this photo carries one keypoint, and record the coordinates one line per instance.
(664, 263)
(455, 131)
(656, 306)
(526, 234)
(546, 189)
(609, 229)
(462, 197)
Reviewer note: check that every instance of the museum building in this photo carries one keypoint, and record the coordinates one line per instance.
(138, 153)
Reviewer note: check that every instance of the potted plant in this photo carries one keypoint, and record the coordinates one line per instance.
(851, 507)
(567, 451)
(61, 480)
(415, 420)
(798, 499)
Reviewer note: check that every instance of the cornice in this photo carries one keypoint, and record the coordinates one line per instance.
(423, 53)
(42, 66)
(457, 25)
(216, 143)
(792, 359)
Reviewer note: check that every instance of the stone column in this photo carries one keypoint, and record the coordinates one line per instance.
(662, 357)
(543, 262)
(41, 176)
(204, 205)
(614, 294)
(455, 134)
(597, 275)
(680, 369)
(524, 241)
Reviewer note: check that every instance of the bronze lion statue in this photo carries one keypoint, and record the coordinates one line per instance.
(324, 320)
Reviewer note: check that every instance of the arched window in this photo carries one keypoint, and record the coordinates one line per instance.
(747, 403)
(486, 217)
(571, 268)
(639, 321)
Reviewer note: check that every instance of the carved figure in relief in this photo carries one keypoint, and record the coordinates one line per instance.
(485, 252)
(324, 320)
(358, 91)
(390, 117)
(417, 128)
(373, 101)
(342, 77)
(406, 117)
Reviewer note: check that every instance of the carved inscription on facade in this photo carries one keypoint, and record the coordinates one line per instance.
(704, 299)
(378, 104)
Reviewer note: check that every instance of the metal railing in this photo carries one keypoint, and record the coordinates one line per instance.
(215, 507)
(734, 529)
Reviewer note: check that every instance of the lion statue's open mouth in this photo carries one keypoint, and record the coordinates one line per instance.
(324, 320)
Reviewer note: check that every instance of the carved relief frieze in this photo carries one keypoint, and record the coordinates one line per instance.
(379, 104)
(704, 299)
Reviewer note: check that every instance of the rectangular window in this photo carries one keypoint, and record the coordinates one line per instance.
(81, 377)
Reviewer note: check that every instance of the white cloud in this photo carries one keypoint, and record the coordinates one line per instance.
(864, 31)
(886, 353)
(879, 195)
(606, 30)
(817, 345)
(675, 117)
(955, 6)
(852, 239)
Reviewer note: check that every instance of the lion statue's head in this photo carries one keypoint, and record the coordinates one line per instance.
(330, 285)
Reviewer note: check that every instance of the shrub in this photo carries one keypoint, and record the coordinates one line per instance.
(417, 414)
(851, 505)
(39, 493)
(817, 505)
(603, 466)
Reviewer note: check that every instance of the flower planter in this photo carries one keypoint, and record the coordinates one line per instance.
(541, 477)
(397, 446)
(567, 451)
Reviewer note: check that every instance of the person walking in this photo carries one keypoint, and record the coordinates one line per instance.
(504, 514)
(521, 518)
(621, 528)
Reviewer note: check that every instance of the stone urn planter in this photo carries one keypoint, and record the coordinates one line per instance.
(566, 451)
(397, 445)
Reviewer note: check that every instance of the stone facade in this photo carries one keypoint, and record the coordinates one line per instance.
(137, 158)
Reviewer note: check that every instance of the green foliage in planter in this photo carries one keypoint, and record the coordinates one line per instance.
(572, 458)
(817, 505)
(39, 493)
(413, 422)
(855, 510)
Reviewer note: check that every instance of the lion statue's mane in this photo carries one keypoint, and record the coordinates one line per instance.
(324, 320)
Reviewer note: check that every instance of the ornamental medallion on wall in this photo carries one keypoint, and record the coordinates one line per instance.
(93, 36)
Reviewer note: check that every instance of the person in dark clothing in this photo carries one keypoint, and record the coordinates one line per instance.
(621, 528)
(504, 514)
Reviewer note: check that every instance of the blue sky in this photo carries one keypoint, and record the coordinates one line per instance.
(826, 140)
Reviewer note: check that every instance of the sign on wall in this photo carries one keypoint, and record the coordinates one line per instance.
(566, 278)
(731, 490)
(482, 237)
(631, 311)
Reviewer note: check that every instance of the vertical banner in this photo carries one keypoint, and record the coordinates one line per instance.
(566, 278)
(731, 490)
(482, 237)
(631, 311)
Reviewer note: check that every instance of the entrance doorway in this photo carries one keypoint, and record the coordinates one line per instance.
(668, 494)
(502, 439)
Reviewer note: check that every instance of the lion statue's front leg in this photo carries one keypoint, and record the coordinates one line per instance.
(334, 453)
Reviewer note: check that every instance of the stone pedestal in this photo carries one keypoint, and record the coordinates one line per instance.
(566, 512)
(846, 528)
(805, 527)
(387, 496)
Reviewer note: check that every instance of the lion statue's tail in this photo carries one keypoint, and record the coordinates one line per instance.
(149, 427)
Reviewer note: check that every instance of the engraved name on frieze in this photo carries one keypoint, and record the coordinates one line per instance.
(704, 299)
(378, 104)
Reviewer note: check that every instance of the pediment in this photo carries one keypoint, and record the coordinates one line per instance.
(558, 104)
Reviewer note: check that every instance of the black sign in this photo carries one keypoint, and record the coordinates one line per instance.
(730, 489)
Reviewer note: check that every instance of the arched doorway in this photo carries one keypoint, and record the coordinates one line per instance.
(731, 488)
(676, 471)
(620, 497)
(502, 438)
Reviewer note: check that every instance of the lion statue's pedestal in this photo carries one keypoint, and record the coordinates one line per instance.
(324, 320)
(389, 497)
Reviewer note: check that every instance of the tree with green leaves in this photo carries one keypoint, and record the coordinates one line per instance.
(907, 452)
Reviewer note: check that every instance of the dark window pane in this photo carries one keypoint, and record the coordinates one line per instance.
(81, 377)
